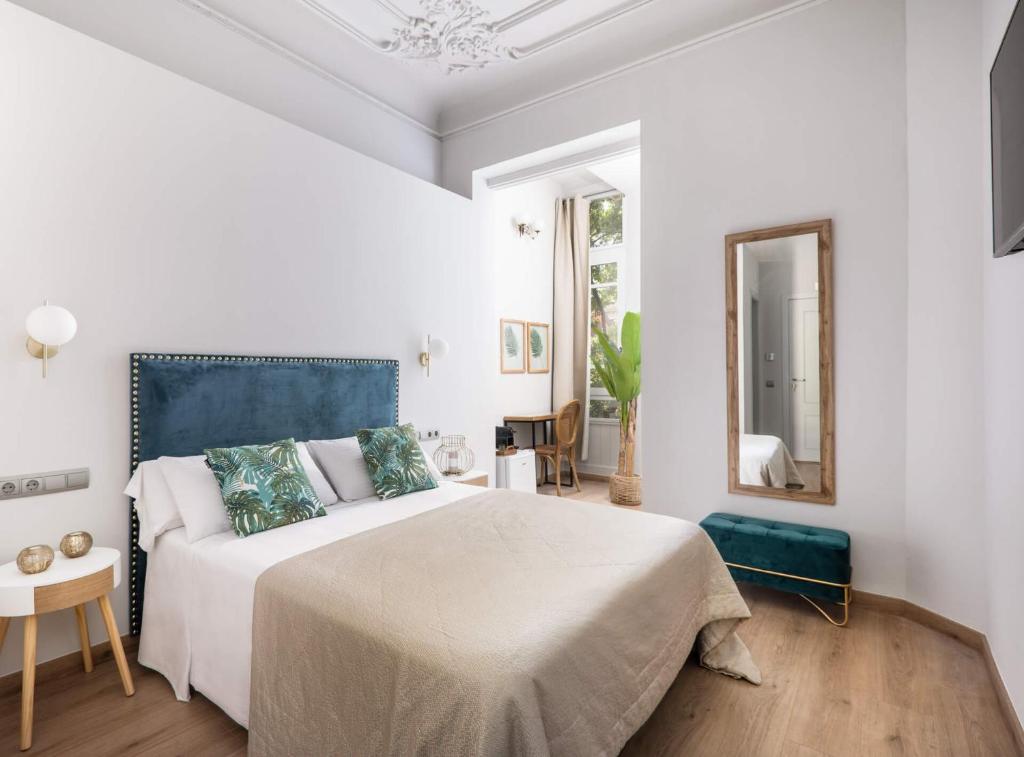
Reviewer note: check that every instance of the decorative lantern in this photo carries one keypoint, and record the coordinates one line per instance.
(453, 456)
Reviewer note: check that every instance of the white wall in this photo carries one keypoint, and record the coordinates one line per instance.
(945, 451)
(1003, 292)
(168, 217)
(523, 280)
(793, 120)
(176, 37)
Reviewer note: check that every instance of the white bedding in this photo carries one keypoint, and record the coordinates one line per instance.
(765, 461)
(197, 614)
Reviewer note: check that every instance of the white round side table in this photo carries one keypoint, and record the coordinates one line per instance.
(67, 583)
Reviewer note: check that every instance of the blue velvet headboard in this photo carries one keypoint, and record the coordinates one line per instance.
(183, 404)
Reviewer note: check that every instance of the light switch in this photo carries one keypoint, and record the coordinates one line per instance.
(78, 479)
(55, 483)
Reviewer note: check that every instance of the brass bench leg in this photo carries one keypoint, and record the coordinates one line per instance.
(845, 604)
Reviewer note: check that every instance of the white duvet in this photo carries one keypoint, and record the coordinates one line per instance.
(197, 613)
(765, 461)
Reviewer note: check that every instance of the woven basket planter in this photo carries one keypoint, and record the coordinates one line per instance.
(624, 490)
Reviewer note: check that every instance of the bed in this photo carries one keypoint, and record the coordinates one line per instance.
(450, 621)
(765, 461)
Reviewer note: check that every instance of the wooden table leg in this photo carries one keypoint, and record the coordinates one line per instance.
(115, 644)
(28, 681)
(83, 634)
(4, 623)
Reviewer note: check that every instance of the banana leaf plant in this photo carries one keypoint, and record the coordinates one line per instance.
(619, 370)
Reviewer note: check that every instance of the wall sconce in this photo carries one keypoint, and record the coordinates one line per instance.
(48, 327)
(436, 348)
(526, 226)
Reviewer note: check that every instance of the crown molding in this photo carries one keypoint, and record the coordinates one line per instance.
(236, 26)
(567, 163)
(489, 29)
(576, 30)
(684, 47)
(524, 14)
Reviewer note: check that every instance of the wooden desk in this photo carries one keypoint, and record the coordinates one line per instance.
(543, 419)
(533, 420)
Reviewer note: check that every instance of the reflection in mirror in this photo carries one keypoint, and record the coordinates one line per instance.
(780, 388)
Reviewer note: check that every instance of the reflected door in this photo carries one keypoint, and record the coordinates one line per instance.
(805, 386)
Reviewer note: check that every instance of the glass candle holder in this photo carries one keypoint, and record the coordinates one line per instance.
(453, 456)
(76, 544)
(35, 559)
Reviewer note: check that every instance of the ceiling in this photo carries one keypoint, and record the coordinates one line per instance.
(444, 64)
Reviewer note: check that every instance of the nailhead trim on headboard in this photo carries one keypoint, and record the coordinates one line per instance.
(135, 589)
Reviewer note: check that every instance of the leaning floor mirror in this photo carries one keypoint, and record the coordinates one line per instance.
(779, 358)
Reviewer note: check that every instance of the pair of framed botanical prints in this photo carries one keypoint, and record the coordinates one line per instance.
(525, 346)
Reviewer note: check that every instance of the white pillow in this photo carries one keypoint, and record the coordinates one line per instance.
(154, 503)
(323, 490)
(435, 472)
(197, 495)
(342, 461)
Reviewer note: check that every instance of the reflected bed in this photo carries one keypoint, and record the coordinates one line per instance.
(765, 461)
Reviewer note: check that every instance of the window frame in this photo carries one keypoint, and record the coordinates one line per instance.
(613, 253)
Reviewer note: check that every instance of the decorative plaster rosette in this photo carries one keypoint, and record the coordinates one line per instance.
(453, 33)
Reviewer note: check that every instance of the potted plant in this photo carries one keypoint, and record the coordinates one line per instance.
(619, 369)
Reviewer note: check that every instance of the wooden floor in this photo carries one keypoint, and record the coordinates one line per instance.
(882, 686)
(811, 474)
(593, 491)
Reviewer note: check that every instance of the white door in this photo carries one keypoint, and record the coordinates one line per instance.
(804, 380)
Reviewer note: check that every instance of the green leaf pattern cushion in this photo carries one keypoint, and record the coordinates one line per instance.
(395, 460)
(264, 486)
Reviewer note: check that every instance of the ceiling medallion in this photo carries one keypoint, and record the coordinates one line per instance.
(455, 34)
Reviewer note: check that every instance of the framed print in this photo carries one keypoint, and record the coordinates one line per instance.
(513, 346)
(538, 355)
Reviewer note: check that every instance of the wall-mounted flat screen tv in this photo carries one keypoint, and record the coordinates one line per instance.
(1007, 83)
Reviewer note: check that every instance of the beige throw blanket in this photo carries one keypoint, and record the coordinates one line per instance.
(502, 624)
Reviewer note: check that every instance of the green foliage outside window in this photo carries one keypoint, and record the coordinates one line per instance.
(606, 221)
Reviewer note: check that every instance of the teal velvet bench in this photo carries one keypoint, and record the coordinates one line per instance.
(804, 560)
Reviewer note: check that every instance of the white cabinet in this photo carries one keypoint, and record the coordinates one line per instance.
(518, 471)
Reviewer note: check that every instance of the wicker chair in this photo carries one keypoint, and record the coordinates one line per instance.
(567, 426)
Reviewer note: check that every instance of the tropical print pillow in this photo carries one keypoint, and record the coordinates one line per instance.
(264, 486)
(395, 460)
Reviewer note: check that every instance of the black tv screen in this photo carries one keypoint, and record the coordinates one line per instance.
(1007, 83)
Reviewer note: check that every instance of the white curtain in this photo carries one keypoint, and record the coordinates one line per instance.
(571, 320)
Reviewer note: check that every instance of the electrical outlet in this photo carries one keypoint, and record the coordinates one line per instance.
(35, 484)
(430, 435)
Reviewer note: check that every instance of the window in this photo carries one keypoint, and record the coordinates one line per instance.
(607, 266)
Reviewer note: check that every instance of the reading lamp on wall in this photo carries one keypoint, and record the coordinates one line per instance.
(49, 327)
(526, 226)
(436, 348)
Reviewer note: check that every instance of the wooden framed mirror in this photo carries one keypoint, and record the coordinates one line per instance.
(779, 352)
